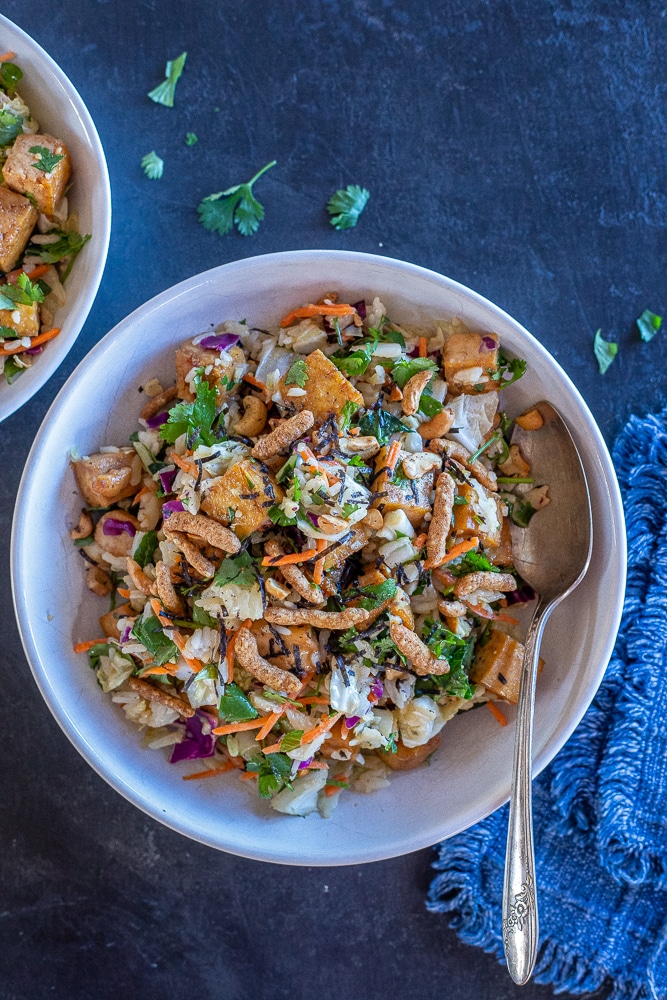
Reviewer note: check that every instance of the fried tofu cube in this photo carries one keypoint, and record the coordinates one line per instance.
(108, 476)
(479, 515)
(497, 666)
(241, 498)
(23, 319)
(22, 173)
(17, 221)
(303, 651)
(413, 496)
(470, 360)
(501, 554)
(218, 368)
(325, 390)
(359, 537)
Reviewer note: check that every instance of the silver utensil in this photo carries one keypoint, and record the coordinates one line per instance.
(552, 554)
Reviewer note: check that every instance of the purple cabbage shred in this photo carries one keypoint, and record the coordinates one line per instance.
(157, 420)
(196, 743)
(219, 341)
(114, 526)
(171, 507)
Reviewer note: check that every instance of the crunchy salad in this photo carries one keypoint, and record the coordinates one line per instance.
(307, 550)
(39, 238)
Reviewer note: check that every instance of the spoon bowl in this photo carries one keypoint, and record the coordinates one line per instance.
(552, 554)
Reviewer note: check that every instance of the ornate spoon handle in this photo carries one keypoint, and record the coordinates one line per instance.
(520, 921)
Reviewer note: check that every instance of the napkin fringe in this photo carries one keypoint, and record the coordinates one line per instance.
(457, 890)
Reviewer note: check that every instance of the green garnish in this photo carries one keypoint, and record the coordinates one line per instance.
(279, 517)
(10, 74)
(496, 436)
(12, 370)
(348, 411)
(346, 205)
(273, 772)
(218, 212)
(648, 324)
(69, 245)
(356, 363)
(164, 92)
(458, 652)
(235, 706)
(46, 160)
(405, 368)
(605, 351)
(514, 368)
(23, 293)
(194, 418)
(149, 632)
(11, 126)
(240, 570)
(381, 425)
(291, 741)
(377, 594)
(145, 550)
(191, 138)
(152, 165)
(297, 374)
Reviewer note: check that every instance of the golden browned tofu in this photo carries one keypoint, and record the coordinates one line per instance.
(241, 498)
(359, 535)
(326, 389)
(497, 666)
(400, 493)
(501, 555)
(17, 221)
(108, 476)
(189, 356)
(478, 516)
(22, 173)
(469, 360)
(301, 645)
(23, 319)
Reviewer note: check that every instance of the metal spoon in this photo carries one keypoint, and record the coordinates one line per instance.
(552, 555)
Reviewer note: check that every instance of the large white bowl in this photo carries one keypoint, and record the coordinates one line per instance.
(469, 777)
(60, 111)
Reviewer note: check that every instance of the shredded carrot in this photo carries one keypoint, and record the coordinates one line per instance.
(274, 748)
(37, 272)
(123, 591)
(395, 395)
(330, 790)
(290, 559)
(323, 727)
(305, 312)
(314, 700)
(392, 455)
(420, 541)
(223, 769)
(83, 647)
(458, 550)
(158, 670)
(183, 463)
(269, 723)
(498, 616)
(249, 774)
(251, 380)
(34, 342)
(353, 431)
(318, 572)
(422, 347)
(7, 55)
(239, 727)
(496, 713)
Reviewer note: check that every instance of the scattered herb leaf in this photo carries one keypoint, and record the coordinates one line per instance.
(46, 160)
(146, 549)
(648, 324)
(346, 205)
(297, 374)
(605, 351)
(11, 126)
(218, 212)
(239, 570)
(10, 74)
(191, 138)
(164, 92)
(152, 165)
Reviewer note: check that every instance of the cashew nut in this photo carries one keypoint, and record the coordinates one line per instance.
(254, 417)
(98, 581)
(412, 391)
(84, 528)
(437, 425)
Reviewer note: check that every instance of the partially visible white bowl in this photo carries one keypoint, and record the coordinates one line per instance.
(58, 108)
(470, 776)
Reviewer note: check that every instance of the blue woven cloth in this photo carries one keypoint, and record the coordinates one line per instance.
(601, 807)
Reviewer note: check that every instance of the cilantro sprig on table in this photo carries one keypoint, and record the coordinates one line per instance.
(648, 324)
(346, 205)
(605, 351)
(236, 206)
(165, 91)
(152, 165)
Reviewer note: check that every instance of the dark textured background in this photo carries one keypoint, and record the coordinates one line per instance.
(516, 146)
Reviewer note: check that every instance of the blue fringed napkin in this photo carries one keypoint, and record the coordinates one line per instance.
(603, 905)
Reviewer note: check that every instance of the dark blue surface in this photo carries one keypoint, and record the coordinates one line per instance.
(518, 147)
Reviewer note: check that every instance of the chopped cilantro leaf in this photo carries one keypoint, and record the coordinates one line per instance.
(196, 417)
(279, 517)
(218, 212)
(349, 509)
(348, 411)
(405, 368)
(191, 138)
(458, 653)
(509, 370)
(648, 324)
(346, 205)
(23, 293)
(239, 570)
(10, 74)
(605, 351)
(11, 126)
(380, 424)
(69, 244)
(297, 374)
(377, 594)
(12, 370)
(149, 632)
(272, 773)
(164, 92)
(235, 706)
(95, 652)
(472, 562)
(46, 160)
(291, 741)
(152, 165)
(355, 363)
(145, 549)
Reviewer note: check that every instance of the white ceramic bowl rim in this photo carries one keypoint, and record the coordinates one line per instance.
(77, 309)
(394, 843)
